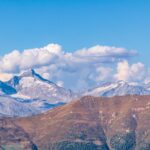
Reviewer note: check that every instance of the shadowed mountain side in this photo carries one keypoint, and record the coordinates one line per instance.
(118, 123)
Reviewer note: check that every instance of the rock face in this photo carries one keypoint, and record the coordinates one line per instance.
(6, 89)
(118, 123)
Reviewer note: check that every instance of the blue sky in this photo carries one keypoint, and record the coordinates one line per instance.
(75, 24)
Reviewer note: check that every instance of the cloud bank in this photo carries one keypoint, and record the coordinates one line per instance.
(76, 70)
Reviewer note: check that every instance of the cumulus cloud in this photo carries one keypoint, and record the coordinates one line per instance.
(105, 52)
(31, 58)
(5, 76)
(79, 69)
(134, 72)
(101, 74)
(53, 53)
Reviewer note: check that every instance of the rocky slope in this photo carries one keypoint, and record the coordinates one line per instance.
(117, 123)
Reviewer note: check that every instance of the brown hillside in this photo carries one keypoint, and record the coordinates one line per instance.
(118, 123)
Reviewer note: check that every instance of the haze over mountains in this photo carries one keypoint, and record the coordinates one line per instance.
(33, 94)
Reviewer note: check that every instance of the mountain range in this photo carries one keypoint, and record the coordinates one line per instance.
(37, 114)
(30, 94)
(90, 123)
(120, 88)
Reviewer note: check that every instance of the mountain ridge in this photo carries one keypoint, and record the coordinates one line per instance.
(119, 88)
(90, 123)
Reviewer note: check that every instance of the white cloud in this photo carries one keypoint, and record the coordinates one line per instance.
(99, 54)
(122, 71)
(101, 74)
(30, 58)
(53, 53)
(5, 76)
(105, 51)
(134, 72)
(77, 70)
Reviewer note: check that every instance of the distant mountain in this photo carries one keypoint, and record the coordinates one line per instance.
(119, 88)
(15, 107)
(11, 107)
(117, 123)
(31, 85)
(32, 94)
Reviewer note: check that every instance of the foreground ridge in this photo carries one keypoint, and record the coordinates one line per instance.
(91, 123)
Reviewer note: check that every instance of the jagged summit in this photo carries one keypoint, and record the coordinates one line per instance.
(32, 73)
(14, 81)
(30, 84)
(28, 73)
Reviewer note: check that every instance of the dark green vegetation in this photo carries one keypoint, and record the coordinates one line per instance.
(123, 141)
(76, 146)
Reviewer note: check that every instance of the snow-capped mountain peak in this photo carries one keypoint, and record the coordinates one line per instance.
(34, 94)
(119, 88)
(30, 90)
(29, 72)
(32, 73)
(26, 78)
(30, 84)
